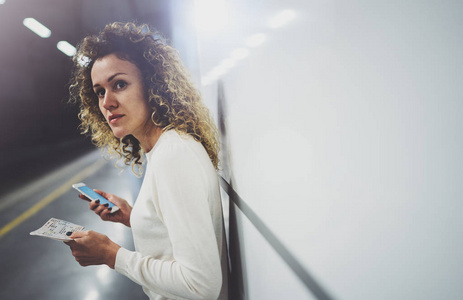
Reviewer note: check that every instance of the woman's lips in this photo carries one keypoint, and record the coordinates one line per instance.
(114, 118)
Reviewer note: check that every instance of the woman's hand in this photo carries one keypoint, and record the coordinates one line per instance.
(92, 248)
(120, 216)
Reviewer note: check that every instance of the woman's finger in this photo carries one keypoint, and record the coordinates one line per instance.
(94, 204)
(106, 214)
(78, 234)
(112, 198)
(99, 209)
(70, 243)
(83, 197)
(106, 195)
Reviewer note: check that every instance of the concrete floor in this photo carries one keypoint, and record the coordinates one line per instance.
(39, 268)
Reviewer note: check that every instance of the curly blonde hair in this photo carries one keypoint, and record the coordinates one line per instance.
(175, 102)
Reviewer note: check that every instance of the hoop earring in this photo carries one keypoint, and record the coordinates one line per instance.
(152, 118)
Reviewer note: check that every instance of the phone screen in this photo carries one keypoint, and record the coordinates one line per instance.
(94, 195)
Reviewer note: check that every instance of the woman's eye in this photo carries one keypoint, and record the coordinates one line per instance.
(120, 84)
(100, 93)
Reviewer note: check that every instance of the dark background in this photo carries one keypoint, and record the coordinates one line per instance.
(38, 129)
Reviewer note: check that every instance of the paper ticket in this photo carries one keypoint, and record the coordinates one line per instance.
(56, 229)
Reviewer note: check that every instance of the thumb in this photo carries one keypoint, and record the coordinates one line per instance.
(76, 234)
(106, 195)
(112, 198)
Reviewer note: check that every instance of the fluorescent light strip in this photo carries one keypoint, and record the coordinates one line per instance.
(255, 40)
(211, 15)
(37, 27)
(282, 18)
(239, 53)
(227, 63)
(66, 48)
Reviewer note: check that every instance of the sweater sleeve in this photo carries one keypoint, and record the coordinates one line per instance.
(182, 190)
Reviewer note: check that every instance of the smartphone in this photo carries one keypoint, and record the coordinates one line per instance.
(92, 195)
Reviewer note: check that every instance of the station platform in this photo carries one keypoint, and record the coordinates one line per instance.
(41, 268)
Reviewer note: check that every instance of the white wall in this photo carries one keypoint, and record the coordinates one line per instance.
(345, 138)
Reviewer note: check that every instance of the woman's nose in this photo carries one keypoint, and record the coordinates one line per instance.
(109, 101)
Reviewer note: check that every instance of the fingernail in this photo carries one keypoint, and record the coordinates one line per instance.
(97, 201)
(110, 208)
(106, 204)
(68, 233)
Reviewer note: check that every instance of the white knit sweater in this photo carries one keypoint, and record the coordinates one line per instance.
(177, 225)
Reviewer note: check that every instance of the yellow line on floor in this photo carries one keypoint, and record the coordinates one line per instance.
(52, 197)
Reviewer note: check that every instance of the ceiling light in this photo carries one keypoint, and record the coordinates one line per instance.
(255, 40)
(217, 72)
(227, 63)
(211, 15)
(66, 48)
(240, 53)
(37, 27)
(282, 18)
(206, 80)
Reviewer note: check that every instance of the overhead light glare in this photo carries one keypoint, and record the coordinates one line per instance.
(103, 274)
(282, 18)
(211, 15)
(227, 63)
(66, 48)
(37, 27)
(2, 2)
(217, 72)
(240, 53)
(206, 80)
(92, 295)
(255, 40)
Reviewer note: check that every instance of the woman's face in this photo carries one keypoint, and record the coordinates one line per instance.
(119, 86)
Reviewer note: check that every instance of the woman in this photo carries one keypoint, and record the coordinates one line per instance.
(136, 98)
